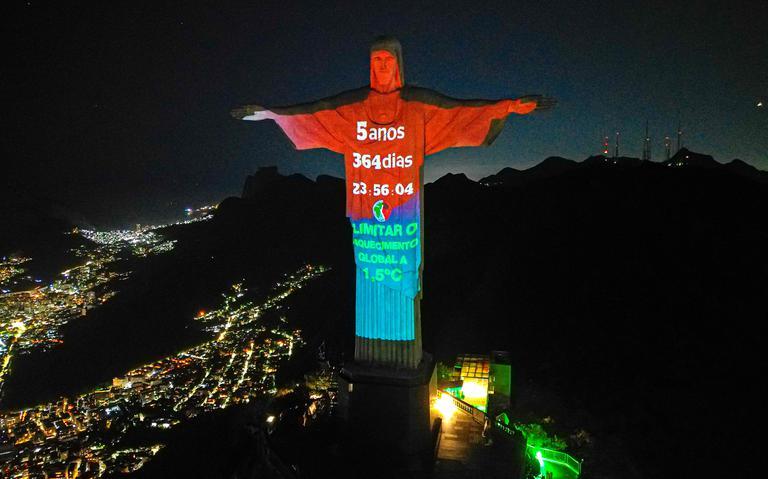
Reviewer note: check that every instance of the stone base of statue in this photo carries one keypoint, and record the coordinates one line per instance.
(387, 417)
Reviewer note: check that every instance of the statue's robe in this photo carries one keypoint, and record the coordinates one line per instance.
(384, 138)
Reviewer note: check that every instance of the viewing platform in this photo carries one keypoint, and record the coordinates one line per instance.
(463, 451)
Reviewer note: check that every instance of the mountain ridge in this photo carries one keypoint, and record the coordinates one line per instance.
(624, 290)
(268, 178)
(555, 165)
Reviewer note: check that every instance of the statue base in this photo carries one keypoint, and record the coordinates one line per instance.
(389, 425)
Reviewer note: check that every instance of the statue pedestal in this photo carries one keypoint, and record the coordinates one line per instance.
(387, 416)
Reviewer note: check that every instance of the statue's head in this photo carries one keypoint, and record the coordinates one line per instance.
(386, 65)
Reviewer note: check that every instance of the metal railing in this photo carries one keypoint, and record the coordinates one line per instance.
(478, 415)
(558, 457)
(547, 455)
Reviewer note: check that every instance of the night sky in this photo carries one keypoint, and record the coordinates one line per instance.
(119, 110)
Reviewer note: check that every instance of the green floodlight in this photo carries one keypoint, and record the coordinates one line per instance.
(503, 417)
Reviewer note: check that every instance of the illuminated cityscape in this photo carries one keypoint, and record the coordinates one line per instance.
(32, 314)
(238, 241)
(81, 436)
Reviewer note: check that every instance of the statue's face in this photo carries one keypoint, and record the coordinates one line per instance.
(384, 66)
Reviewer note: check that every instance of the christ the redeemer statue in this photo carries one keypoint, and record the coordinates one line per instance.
(384, 132)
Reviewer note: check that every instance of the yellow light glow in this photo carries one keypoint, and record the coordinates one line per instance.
(445, 406)
(473, 389)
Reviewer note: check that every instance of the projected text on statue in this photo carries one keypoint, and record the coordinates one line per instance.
(384, 130)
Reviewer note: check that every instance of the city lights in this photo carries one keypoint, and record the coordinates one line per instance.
(249, 341)
(32, 316)
(221, 372)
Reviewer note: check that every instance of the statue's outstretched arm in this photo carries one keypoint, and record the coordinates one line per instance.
(324, 128)
(250, 113)
(451, 122)
(325, 123)
(531, 103)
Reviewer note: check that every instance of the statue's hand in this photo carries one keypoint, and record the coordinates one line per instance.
(249, 112)
(529, 103)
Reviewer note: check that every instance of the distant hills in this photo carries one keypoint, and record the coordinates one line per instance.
(35, 227)
(684, 158)
(629, 291)
(30, 223)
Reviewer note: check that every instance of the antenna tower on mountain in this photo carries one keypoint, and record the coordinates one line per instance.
(646, 144)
